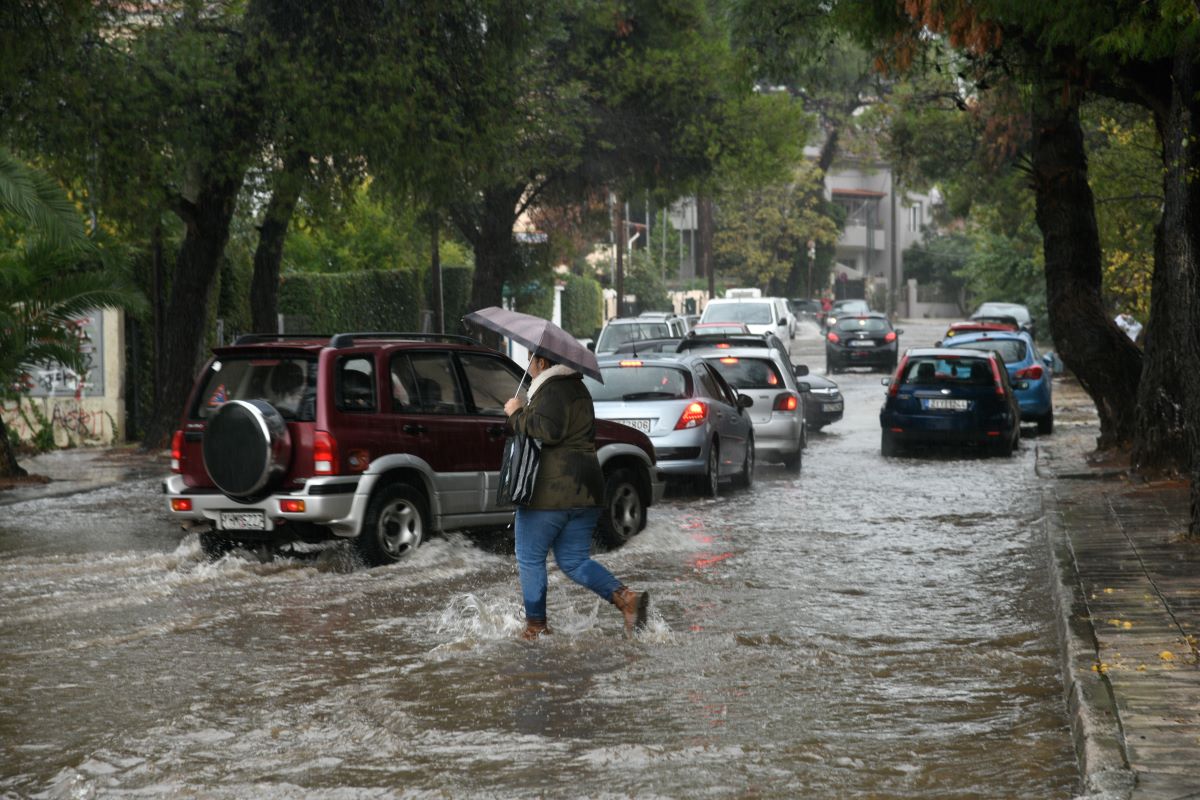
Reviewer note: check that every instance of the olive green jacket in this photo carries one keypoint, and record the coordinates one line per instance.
(560, 415)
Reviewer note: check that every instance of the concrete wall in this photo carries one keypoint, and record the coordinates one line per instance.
(80, 409)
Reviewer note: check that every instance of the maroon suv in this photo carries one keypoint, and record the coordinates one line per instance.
(383, 438)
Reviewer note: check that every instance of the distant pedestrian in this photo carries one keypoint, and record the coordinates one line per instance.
(567, 496)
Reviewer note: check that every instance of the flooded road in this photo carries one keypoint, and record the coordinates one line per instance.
(869, 628)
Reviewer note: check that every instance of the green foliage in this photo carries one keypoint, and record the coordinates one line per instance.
(367, 300)
(762, 235)
(582, 306)
(939, 260)
(643, 279)
(456, 293)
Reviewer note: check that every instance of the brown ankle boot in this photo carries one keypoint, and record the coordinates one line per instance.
(535, 628)
(633, 605)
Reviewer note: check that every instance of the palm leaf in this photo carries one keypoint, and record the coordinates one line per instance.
(34, 197)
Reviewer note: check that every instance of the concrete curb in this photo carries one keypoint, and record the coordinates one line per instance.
(1095, 723)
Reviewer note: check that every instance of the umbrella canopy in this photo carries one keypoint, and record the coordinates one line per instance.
(541, 336)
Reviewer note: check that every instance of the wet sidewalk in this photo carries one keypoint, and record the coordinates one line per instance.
(82, 469)
(1130, 617)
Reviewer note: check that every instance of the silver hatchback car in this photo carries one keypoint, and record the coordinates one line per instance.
(777, 410)
(698, 424)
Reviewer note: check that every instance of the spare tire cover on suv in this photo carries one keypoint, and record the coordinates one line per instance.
(246, 448)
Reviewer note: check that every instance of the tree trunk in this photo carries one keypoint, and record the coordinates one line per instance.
(489, 229)
(619, 244)
(207, 230)
(268, 255)
(1106, 363)
(9, 468)
(1168, 430)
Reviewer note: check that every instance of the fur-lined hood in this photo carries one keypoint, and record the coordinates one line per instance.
(557, 371)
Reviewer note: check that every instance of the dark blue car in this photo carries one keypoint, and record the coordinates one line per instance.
(1023, 363)
(954, 396)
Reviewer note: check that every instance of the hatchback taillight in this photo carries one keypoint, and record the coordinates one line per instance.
(1032, 373)
(833, 337)
(177, 452)
(890, 337)
(325, 460)
(692, 416)
(894, 386)
(786, 401)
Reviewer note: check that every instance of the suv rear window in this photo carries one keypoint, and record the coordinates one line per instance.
(289, 384)
(616, 335)
(751, 313)
(641, 383)
(748, 373)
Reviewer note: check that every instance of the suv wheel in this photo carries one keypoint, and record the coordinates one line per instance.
(396, 524)
(624, 512)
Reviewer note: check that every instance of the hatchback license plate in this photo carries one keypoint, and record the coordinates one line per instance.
(642, 425)
(861, 343)
(831, 406)
(243, 521)
(947, 404)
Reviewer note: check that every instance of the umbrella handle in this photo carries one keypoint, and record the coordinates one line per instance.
(520, 382)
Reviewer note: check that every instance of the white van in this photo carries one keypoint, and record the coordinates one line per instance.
(744, 292)
(760, 314)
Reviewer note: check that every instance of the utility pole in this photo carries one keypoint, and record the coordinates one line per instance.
(704, 224)
(619, 242)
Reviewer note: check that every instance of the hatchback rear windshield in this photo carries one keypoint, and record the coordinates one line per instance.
(289, 384)
(641, 383)
(750, 313)
(951, 371)
(748, 373)
(865, 324)
(1010, 350)
(616, 335)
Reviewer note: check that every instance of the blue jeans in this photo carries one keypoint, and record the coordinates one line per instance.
(568, 532)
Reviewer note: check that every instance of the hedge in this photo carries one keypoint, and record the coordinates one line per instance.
(370, 300)
(582, 306)
(456, 293)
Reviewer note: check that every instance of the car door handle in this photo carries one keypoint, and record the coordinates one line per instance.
(413, 429)
(497, 431)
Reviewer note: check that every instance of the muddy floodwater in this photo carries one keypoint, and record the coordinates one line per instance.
(869, 628)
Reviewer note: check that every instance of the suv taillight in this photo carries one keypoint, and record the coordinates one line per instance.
(786, 401)
(177, 451)
(833, 337)
(692, 416)
(325, 460)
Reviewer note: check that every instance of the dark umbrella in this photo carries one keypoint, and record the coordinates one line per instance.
(541, 336)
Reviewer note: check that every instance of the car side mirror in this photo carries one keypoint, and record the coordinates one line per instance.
(938, 343)
(1049, 359)
(591, 346)
(886, 381)
(803, 386)
(745, 401)
(800, 370)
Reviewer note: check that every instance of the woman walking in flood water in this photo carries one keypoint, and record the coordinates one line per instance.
(567, 496)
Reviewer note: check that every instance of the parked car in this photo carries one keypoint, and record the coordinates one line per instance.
(700, 340)
(1024, 364)
(387, 439)
(823, 402)
(998, 311)
(847, 307)
(761, 315)
(862, 340)
(697, 423)
(785, 311)
(955, 396)
(807, 310)
(622, 330)
(777, 407)
(978, 326)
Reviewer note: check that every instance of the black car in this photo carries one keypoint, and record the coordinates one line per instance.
(807, 309)
(823, 402)
(862, 340)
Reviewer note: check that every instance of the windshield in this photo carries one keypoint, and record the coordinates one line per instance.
(616, 335)
(640, 383)
(850, 307)
(289, 384)
(748, 373)
(750, 313)
(1010, 350)
(865, 324)
(948, 371)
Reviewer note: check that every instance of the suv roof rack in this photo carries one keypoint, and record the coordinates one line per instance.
(256, 338)
(348, 339)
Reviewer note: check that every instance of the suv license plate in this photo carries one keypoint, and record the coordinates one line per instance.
(243, 521)
(947, 405)
(642, 425)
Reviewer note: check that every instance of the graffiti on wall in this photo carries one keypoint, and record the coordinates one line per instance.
(56, 380)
